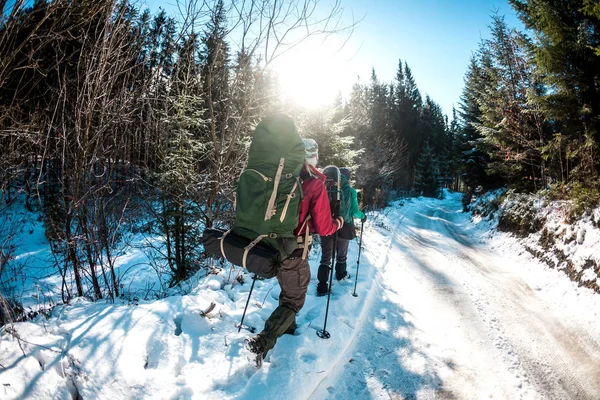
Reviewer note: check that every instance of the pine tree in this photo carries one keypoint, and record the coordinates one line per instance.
(225, 143)
(336, 145)
(427, 173)
(471, 153)
(566, 55)
(179, 153)
(412, 113)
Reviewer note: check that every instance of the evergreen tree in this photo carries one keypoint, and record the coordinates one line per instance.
(432, 126)
(511, 122)
(567, 35)
(215, 73)
(336, 146)
(472, 158)
(427, 173)
(179, 152)
(412, 114)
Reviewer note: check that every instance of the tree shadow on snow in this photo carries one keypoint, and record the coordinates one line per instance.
(85, 340)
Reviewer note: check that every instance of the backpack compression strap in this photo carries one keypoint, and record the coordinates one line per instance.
(306, 237)
(249, 247)
(221, 240)
(290, 196)
(271, 206)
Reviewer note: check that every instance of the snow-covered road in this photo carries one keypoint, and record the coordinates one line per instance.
(452, 318)
(445, 310)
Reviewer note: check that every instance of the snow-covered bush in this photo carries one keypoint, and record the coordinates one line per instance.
(519, 214)
(487, 204)
(584, 198)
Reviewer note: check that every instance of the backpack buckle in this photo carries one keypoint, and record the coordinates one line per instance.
(273, 235)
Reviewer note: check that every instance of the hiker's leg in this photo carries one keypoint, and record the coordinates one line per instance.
(293, 278)
(323, 273)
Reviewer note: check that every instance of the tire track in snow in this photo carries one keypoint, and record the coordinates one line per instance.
(537, 349)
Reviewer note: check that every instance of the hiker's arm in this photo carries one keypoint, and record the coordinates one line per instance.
(320, 212)
(356, 213)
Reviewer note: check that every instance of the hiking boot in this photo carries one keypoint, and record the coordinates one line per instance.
(255, 346)
(340, 271)
(291, 330)
(322, 289)
(346, 276)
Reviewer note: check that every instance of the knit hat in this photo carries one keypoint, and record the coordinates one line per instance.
(346, 172)
(311, 149)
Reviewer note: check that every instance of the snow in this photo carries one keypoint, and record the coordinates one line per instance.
(31, 277)
(446, 308)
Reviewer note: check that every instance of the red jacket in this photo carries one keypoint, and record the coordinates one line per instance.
(316, 203)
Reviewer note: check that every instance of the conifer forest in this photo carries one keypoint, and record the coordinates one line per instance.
(115, 119)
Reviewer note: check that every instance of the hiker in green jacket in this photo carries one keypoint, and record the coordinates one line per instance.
(349, 210)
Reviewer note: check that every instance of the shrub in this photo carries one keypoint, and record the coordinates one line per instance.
(585, 196)
(518, 214)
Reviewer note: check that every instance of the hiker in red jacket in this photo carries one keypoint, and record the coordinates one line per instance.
(294, 274)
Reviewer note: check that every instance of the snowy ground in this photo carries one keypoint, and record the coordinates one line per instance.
(445, 310)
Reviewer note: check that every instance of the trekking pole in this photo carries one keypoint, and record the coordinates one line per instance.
(247, 301)
(323, 334)
(362, 225)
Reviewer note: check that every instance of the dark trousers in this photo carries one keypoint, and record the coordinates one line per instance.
(293, 278)
(327, 243)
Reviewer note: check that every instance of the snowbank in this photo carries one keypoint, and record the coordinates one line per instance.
(544, 229)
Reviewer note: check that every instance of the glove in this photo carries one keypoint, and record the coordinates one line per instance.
(340, 221)
(364, 219)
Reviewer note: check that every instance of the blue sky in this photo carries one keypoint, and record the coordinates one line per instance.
(435, 37)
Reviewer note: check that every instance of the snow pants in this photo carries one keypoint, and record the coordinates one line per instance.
(293, 278)
(341, 255)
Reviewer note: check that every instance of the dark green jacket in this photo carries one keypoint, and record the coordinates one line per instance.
(349, 208)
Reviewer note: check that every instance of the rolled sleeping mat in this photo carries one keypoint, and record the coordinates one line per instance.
(257, 258)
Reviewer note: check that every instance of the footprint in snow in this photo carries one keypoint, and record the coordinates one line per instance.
(178, 319)
(306, 355)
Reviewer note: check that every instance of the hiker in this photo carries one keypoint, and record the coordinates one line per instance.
(348, 210)
(294, 273)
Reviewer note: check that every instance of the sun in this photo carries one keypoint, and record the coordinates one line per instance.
(311, 75)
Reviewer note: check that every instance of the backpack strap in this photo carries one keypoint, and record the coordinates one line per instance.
(307, 240)
(290, 196)
(271, 206)
(221, 240)
(249, 247)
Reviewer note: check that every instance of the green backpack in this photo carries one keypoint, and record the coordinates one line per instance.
(340, 200)
(346, 200)
(339, 192)
(269, 190)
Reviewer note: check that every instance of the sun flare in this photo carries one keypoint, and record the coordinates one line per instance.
(311, 76)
